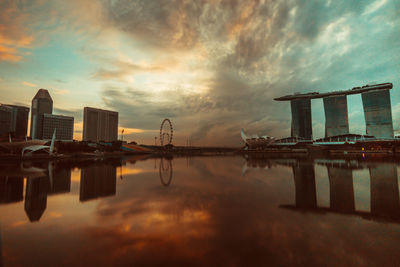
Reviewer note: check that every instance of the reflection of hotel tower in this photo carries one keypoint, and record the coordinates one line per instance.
(36, 197)
(304, 179)
(38, 188)
(384, 191)
(97, 181)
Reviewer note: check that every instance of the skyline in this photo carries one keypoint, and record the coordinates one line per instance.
(212, 67)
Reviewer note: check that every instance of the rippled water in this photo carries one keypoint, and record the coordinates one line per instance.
(200, 211)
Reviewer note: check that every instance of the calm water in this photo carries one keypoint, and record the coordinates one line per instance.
(215, 211)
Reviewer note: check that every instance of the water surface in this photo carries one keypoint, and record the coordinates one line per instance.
(200, 211)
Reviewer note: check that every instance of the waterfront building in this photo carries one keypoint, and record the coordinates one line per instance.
(5, 121)
(301, 118)
(42, 103)
(100, 125)
(64, 126)
(19, 121)
(378, 113)
(336, 115)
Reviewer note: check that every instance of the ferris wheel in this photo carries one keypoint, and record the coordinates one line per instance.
(166, 132)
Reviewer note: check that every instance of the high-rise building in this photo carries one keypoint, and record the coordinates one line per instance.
(41, 104)
(336, 115)
(19, 121)
(301, 118)
(64, 126)
(5, 120)
(378, 113)
(100, 125)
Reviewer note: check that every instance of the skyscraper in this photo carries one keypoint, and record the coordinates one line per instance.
(63, 124)
(5, 121)
(100, 125)
(41, 104)
(19, 121)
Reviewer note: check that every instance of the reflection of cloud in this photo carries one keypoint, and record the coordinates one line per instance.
(211, 216)
(19, 223)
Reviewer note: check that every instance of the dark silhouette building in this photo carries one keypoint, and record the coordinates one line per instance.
(42, 104)
(336, 115)
(378, 113)
(64, 126)
(5, 121)
(301, 118)
(19, 121)
(97, 181)
(100, 125)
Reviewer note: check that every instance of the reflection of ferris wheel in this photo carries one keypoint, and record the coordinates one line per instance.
(166, 132)
(165, 172)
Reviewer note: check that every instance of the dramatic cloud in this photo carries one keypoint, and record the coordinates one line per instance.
(14, 34)
(214, 66)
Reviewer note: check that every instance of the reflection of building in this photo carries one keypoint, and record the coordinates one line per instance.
(60, 182)
(41, 104)
(385, 198)
(36, 197)
(64, 126)
(384, 190)
(97, 181)
(11, 189)
(304, 179)
(341, 189)
(99, 125)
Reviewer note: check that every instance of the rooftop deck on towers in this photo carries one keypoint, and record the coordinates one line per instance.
(355, 90)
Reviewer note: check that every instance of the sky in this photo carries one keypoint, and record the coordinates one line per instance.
(211, 66)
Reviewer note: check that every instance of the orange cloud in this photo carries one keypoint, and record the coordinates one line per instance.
(9, 54)
(29, 84)
(13, 33)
